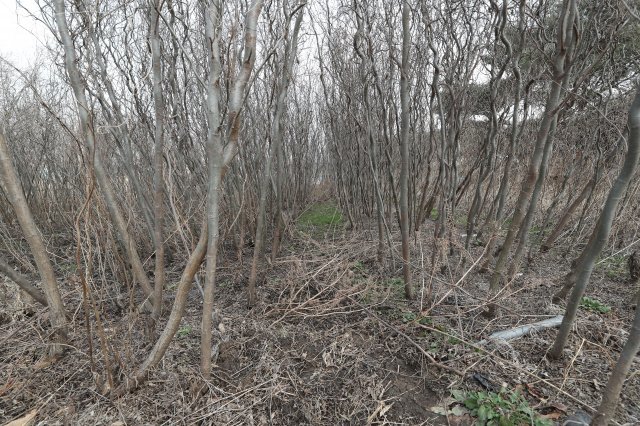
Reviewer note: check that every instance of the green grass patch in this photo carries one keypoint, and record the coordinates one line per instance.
(68, 267)
(321, 215)
(378, 291)
(396, 283)
(594, 305)
(408, 316)
(359, 267)
(461, 219)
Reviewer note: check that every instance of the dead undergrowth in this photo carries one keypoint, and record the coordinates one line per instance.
(333, 341)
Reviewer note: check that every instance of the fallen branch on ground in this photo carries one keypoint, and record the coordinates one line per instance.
(520, 331)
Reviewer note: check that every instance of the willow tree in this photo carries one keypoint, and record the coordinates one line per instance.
(404, 151)
(600, 234)
(11, 183)
(78, 86)
(566, 39)
(219, 156)
(158, 163)
(276, 136)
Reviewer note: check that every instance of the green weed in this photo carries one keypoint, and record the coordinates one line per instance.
(453, 340)
(505, 408)
(184, 331)
(461, 220)
(70, 267)
(594, 305)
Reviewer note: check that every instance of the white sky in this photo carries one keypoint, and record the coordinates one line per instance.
(20, 36)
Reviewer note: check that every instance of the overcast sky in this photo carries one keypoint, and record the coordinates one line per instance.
(20, 36)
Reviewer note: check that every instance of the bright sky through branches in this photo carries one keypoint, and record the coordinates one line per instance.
(20, 36)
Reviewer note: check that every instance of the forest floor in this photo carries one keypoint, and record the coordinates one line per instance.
(332, 341)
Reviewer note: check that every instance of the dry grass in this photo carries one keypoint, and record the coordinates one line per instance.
(332, 342)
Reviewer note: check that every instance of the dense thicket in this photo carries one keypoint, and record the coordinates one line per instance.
(157, 133)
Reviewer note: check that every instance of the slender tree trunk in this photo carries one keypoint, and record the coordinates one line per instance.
(404, 152)
(173, 323)
(213, 19)
(513, 135)
(565, 40)
(373, 151)
(276, 142)
(487, 167)
(77, 85)
(158, 179)
(601, 232)
(612, 392)
(218, 157)
(113, 113)
(32, 235)
(523, 232)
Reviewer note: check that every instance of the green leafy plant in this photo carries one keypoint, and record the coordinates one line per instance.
(504, 408)
(453, 340)
(395, 286)
(594, 305)
(69, 267)
(408, 317)
(184, 331)
(412, 316)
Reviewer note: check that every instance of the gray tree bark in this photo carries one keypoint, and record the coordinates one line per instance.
(32, 235)
(219, 157)
(22, 282)
(404, 151)
(565, 38)
(611, 395)
(158, 179)
(603, 228)
(77, 85)
(276, 142)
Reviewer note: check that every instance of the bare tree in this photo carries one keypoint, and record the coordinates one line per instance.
(276, 136)
(30, 230)
(611, 393)
(601, 232)
(102, 178)
(158, 159)
(404, 151)
(219, 156)
(566, 39)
